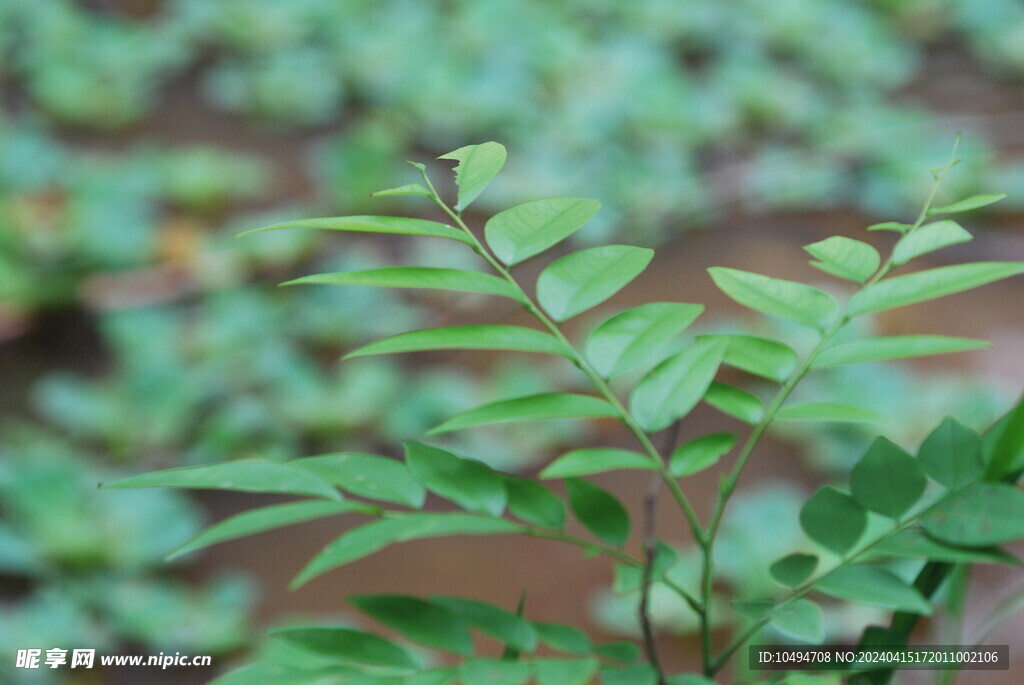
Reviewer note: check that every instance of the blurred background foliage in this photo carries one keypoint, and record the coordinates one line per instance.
(137, 136)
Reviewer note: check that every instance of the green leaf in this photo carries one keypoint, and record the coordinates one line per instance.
(375, 536)
(759, 356)
(977, 515)
(700, 454)
(419, 620)
(827, 411)
(418, 277)
(531, 408)
(676, 385)
(895, 347)
(584, 279)
(792, 570)
(914, 542)
(631, 578)
(754, 608)
(532, 502)
(624, 652)
(407, 189)
(638, 674)
(846, 258)
(875, 587)
(399, 225)
(348, 645)
(525, 230)
(776, 297)
(495, 672)
(951, 455)
(833, 519)
(590, 460)
(890, 226)
(275, 674)
(887, 479)
(801, 619)
(929, 238)
(930, 284)
(500, 624)
(477, 165)
(263, 519)
(565, 671)
(563, 638)
(599, 511)
(482, 337)
(735, 402)
(468, 483)
(245, 476)
(632, 337)
(366, 475)
(1003, 444)
(966, 205)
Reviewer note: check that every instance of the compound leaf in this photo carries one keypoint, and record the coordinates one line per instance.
(599, 511)
(477, 165)
(531, 408)
(776, 297)
(525, 230)
(584, 279)
(632, 337)
(469, 337)
(676, 385)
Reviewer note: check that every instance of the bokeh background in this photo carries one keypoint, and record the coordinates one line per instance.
(138, 136)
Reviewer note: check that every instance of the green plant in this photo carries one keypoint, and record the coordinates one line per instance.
(948, 506)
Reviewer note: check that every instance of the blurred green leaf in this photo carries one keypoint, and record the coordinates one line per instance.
(900, 291)
(531, 408)
(246, 476)
(735, 402)
(914, 542)
(599, 511)
(399, 225)
(520, 232)
(563, 638)
(833, 519)
(497, 672)
(675, 386)
(421, 621)
(591, 460)
(565, 671)
(532, 502)
(802, 619)
(875, 587)
(700, 453)
(977, 515)
(827, 411)
(470, 484)
(929, 238)
(500, 624)
(894, 347)
(887, 479)
(951, 454)
(417, 277)
(366, 475)
(793, 569)
(347, 644)
(632, 337)
(846, 258)
(967, 204)
(584, 279)
(469, 337)
(762, 357)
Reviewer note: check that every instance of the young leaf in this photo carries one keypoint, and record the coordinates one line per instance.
(978, 514)
(347, 644)
(563, 638)
(846, 258)
(929, 238)
(875, 587)
(827, 411)
(495, 672)
(584, 279)
(399, 225)
(417, 277)
(776, 297)
(367, 475)
(375, 536)
(801, 619)
(525, 230)
(466, 482)
(477, 165)
(532, 502)
(599, 511)
(531, 408)
(967, 204)
(914, 542)
(587, 461)
(700, 454)
(759, 356)
(407, 189)
(632, 337)
(833, 519)
(565, 671)
(263, 519)
(471, 337)
(419, 620)
(930, 284)
(735, 402)
(500, 624)
(792, 570)
(887, 479)
(951, 455)
(676, 385)
(895, 347)
(245, 476)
